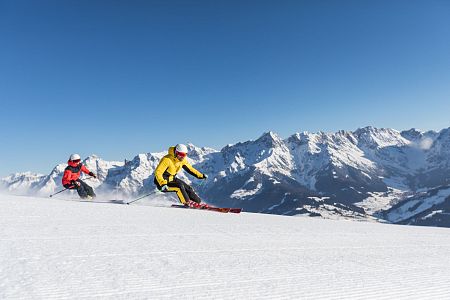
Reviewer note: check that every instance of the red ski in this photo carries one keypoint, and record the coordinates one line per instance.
(211, 208)
(235, 210)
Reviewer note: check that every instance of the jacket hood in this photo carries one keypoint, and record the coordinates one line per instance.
(172, 151)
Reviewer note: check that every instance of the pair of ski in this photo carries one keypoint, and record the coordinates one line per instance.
(201, 207)
(207, 207)
(211, 208)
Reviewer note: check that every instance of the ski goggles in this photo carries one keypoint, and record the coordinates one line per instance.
(76, 161)
(181, 154)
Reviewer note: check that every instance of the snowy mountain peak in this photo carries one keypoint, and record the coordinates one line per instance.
(380, 137)
(21, 182)
(439, 149)
(269, 139)
(19, 176)
(444, 135)
(412, 134)
(197, 153)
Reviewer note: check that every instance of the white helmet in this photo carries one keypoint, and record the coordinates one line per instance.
(75, 157)
(181, 148)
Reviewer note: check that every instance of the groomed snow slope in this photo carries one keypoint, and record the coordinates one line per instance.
(55, 249)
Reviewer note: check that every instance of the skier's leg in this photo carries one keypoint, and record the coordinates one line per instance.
(191, 193)
(89, 190)
(177, 186)
(81, 190)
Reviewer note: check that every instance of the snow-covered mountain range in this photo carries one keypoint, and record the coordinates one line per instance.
(371, 174)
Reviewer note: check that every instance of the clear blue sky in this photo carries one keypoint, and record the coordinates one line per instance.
(118, 78)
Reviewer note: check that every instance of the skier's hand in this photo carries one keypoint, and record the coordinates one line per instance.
(75, 183)
(92, 174)
(205, 176)
(164, 188)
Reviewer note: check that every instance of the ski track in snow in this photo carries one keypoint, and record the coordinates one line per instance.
(53, 249)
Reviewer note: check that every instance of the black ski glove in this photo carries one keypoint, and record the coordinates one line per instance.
(92, 174)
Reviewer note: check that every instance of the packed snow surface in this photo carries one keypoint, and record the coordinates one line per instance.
(59, 249)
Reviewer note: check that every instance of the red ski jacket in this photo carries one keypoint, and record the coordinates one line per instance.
(73, 171)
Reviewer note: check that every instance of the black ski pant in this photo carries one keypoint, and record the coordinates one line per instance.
(184, 191)
(84, 190)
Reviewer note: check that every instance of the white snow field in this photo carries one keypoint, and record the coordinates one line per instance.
(55, 249)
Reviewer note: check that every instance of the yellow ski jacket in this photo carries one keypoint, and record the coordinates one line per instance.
(169, 166)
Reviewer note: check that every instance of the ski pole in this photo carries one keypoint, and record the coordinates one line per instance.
(66, 188)
(139, 198)
(57, 193)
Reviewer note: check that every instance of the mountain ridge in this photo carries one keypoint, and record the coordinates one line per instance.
(343, 174)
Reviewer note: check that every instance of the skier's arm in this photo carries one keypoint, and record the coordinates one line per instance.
(191, 170)
(86, 170)
(159, 171)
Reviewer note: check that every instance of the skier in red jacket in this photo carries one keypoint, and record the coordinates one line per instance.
(71, 178)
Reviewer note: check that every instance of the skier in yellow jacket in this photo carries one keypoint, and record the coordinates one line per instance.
(166, 171)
